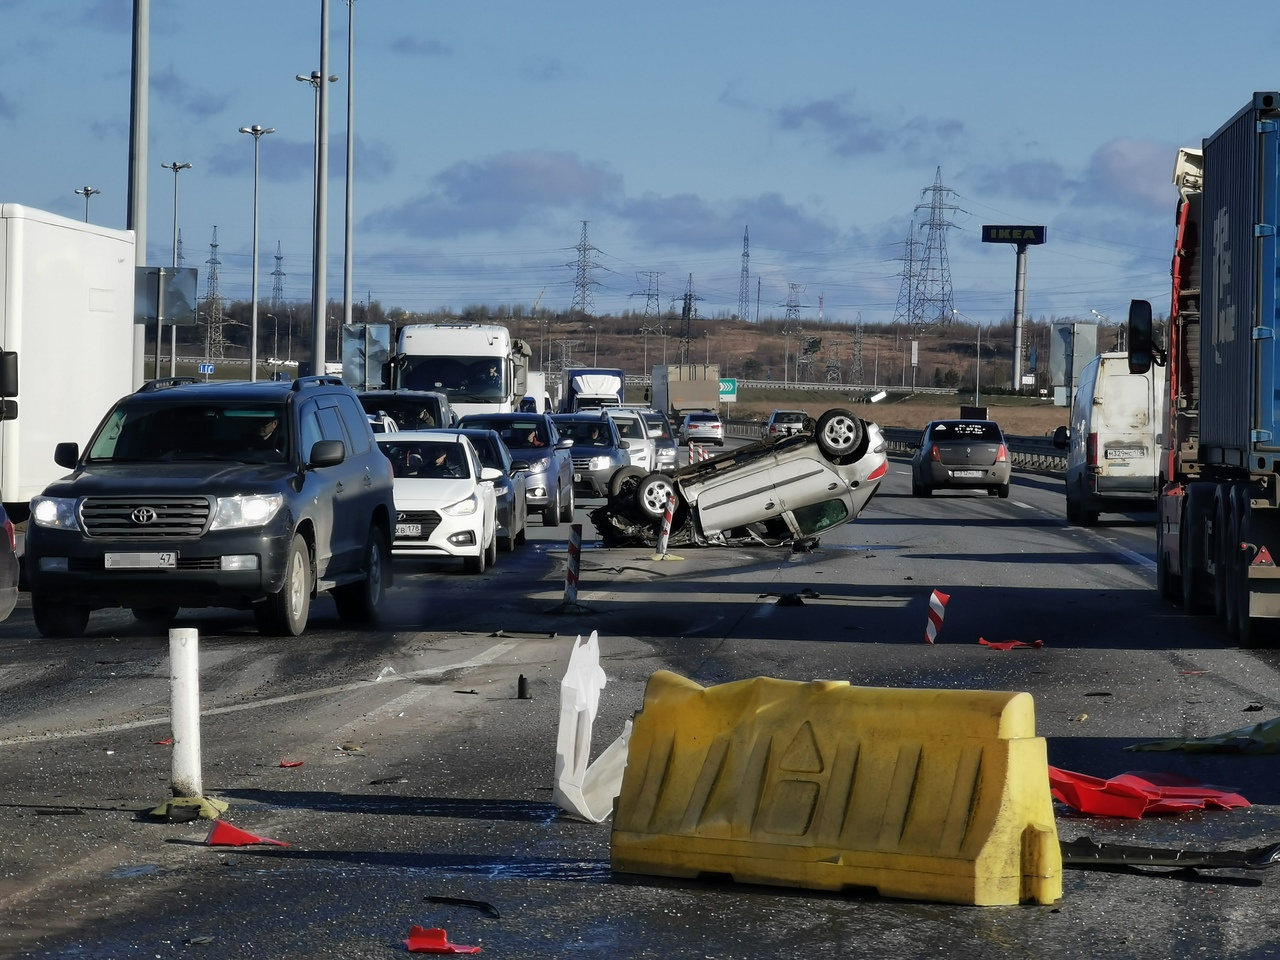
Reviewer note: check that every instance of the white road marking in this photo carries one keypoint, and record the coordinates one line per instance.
(487, 656)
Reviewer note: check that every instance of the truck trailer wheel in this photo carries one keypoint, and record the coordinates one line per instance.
(1197, 595)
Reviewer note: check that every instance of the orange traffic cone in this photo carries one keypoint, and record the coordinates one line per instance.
(223, 834)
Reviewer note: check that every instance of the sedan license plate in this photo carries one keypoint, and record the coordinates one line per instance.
(1126, 453)
(966, 474)
(140, 561)
(408, 529)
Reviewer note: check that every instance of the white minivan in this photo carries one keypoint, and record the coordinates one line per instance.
(1112, 443)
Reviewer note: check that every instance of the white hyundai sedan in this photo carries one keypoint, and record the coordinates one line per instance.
(445, 500)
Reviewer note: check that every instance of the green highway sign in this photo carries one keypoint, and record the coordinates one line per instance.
(728, 389)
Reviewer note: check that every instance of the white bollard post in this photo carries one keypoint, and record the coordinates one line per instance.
(184, 700)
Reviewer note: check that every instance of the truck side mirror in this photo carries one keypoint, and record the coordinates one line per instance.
(1061, 438)
(9, 374)
(1140, 336)
(66, 455)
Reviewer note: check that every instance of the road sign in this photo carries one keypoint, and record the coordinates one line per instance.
(206, 368)
(728, 389)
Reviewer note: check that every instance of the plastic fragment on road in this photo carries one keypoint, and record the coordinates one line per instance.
(1256, 739)
(586, 790)
(1085, 852)
(166, 742)
(223, 834)
(434, 940)
(1139, 794)
(484, 906)
(937, 610)
(938, 795)
(291, 763)
(1008, 644)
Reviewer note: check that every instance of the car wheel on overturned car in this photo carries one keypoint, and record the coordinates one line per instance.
(624, 480)
(841, 436)
(652, 494)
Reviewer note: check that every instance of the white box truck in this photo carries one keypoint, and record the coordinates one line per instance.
(480, 367)
(66, 332)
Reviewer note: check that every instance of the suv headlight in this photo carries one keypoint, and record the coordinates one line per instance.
(600, 463)
(239, 512)
(55, 512)
(540, 465)
(463, 508)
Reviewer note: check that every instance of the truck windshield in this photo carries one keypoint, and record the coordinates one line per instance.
(467, 379)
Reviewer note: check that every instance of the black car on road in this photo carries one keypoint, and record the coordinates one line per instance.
(251, 495)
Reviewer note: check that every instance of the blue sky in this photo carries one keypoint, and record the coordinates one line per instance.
(487, 132)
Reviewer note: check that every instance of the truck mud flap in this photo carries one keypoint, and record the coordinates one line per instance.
(936, 795)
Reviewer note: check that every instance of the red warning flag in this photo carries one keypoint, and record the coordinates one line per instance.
(223, 834)
(937, 609)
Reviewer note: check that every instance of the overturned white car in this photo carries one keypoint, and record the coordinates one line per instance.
(774, 491)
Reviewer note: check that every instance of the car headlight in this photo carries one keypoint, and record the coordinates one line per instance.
(240, 512)
(599, 463)
(540, 465)
(463, 508)
(56, 512)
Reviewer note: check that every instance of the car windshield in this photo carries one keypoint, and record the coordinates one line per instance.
(586, 433)
(467, 379)
(658, 427)
(408, 414)
(516, 433)
(965, 430)
(703, 418)
(789, 416)
(630, 429)
(145, 432)
(426, 459)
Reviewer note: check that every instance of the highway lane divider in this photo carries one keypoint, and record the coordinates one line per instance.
(936, 795)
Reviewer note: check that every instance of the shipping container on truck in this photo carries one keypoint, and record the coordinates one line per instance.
(66, 323)
(1218, 532)
(678, 389)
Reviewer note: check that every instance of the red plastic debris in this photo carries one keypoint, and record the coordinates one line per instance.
(223, 834)
(166, 742)
(434, 940)
(1008, 644)
(937, 610)
(290, 763)
(1140, 794)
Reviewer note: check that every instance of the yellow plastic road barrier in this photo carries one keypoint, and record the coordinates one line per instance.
(923, 794)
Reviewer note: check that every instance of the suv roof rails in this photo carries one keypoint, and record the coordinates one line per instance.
(319, 380)
(163, 383)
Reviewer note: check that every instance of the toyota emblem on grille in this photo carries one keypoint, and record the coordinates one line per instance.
(144, 515)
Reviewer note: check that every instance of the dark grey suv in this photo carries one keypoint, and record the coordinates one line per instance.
(247, 495)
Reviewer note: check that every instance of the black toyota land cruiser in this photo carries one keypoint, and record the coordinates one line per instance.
(252, 495)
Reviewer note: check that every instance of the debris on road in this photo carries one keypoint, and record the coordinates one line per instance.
(1084, 852)
(1259, 738)
(223, 834)
(434, 940)
(1140, 794)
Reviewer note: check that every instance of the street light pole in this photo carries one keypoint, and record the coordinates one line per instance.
(257, 131)
(86, 192)
(347, 261)
(318, 309)
(176, 167)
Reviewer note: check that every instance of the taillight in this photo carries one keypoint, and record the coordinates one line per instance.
(13, 538)
(933, 453)
(1002, 455)
(879, 471)
(1091, 450)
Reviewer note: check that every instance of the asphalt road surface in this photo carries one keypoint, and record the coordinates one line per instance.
(400, 764)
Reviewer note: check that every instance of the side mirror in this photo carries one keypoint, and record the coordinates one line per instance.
(327, 453)
(624, 444)
(9, 374)
(518, 465)
(1062, 438)
(67, 455)
(1141, 347)
(564, 444)
(490, 473)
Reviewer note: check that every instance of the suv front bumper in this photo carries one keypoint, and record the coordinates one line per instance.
(229, 568)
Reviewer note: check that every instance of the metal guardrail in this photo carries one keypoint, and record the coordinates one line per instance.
(1036, 454)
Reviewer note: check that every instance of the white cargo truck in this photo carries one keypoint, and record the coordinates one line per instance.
(66, 332)
(480, 367)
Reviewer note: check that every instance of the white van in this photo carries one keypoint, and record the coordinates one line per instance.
(1112, 444)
